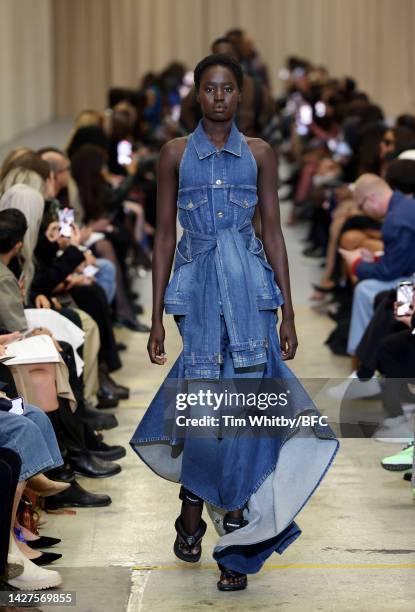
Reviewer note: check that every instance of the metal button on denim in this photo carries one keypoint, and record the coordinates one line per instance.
(218, 182)
(245, 204)
(190, 205)
(220, 214)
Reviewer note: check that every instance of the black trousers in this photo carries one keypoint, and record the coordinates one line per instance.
(10, 464)
(92, 299)
(396, 361)
(380, 327)
(72, 434)
(69, 430)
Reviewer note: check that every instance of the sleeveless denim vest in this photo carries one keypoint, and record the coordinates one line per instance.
(220, 267)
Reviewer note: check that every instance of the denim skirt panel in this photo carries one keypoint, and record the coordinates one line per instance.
(271, 478)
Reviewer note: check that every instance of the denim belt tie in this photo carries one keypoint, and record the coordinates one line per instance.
(222, 273)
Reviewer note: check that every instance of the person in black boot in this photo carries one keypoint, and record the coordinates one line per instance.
(70, 433)
(74, 497)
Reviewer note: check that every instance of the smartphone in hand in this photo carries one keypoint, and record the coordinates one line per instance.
(404, 297)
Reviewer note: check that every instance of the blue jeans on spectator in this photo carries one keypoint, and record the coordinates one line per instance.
(362, 310)
(32, 437)
(106, 277)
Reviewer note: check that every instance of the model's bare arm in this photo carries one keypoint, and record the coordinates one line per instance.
(273, 238)
(164, 244)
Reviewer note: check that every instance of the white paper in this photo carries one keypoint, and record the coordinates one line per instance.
(61, 327)
(39, 349)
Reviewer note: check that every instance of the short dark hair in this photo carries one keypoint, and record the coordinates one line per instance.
(401, 175)
(13, 226)
(218, 59)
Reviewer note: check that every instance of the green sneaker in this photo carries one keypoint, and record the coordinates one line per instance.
(401, 461)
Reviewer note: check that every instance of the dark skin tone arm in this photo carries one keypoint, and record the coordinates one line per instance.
(165, 240)
(273, 239)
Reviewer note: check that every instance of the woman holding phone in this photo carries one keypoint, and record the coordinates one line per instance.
(224, 295)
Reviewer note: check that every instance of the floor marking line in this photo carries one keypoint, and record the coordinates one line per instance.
(283, 567)
(138, 585)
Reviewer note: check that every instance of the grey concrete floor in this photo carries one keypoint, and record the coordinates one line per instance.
(357, 550)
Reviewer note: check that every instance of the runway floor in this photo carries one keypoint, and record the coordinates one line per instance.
(357, 550)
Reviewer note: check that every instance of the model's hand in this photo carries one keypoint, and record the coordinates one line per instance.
(288, 339)
(155, 345)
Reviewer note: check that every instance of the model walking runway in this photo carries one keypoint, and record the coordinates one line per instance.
(224, 297)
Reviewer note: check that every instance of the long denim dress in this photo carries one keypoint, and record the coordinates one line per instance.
(225, 298)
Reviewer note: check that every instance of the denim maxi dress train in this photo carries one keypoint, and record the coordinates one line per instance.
(225, 299)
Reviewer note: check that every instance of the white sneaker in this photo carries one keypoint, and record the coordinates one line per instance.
(33, 578)
(394, 430)
(14, 567)
(353, 388)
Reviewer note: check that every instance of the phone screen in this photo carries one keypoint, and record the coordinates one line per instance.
(304, 117)
(66, 220)
(17, 406)
(404, 296)
(124, 152)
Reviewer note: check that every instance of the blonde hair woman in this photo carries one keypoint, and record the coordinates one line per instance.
(10, 160)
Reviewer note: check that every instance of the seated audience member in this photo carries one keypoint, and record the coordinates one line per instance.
(89, 296)
(29, 169)
(33, 382)
(10, 465)
(376, 274)
(49, 383)
(102, 207)
(396, 362)
(30, 435)
(8, 162)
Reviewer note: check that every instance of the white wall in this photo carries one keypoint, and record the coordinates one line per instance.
(26, 65)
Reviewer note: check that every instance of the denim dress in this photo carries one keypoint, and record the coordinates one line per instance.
(225, 299)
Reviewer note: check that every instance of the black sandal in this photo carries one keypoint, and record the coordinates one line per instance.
(185, 542)
(227, 574)
(231, 524)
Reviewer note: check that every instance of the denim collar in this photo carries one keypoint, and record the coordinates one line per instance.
(204, 147)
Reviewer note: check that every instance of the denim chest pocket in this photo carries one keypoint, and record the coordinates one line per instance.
(192, 203)
(243, 201)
